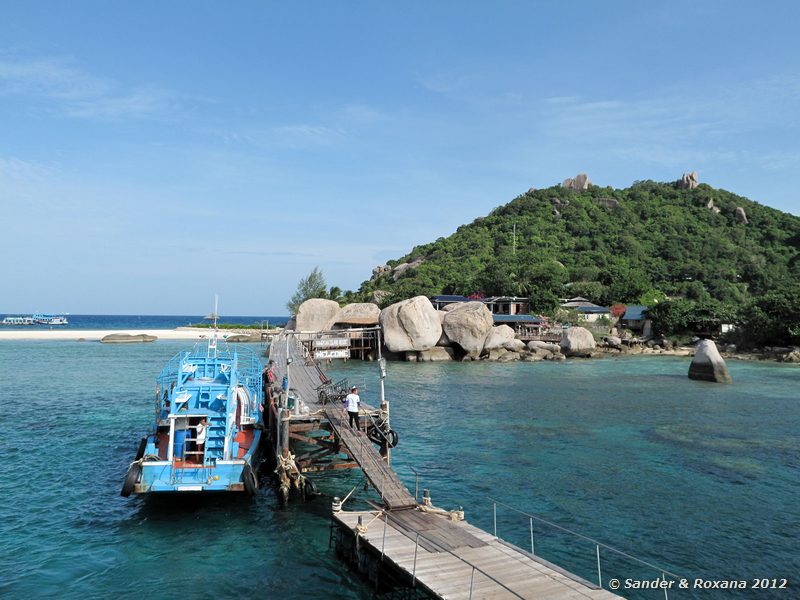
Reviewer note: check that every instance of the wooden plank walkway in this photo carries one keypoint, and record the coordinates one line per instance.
(383, 478)
(450, 559)
(304, 379)
(455, 560)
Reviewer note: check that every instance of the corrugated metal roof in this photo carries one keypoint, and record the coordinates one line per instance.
(505, 299)
(635, 312)
(516, 319)
(449, 299)
(592, 310)
(579, 304)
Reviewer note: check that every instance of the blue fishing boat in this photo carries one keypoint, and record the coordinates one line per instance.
(208, 424)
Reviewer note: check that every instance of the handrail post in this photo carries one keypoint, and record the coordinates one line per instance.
(414, 573)
(664, 577)
(471, 581)
(599, 575)
(533, 548)
(383, 543)
(494, 511)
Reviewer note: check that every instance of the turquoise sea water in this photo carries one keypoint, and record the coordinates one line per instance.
(701, 479)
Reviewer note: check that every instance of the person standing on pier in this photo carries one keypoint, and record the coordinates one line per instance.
(268, 379)
(352, 405)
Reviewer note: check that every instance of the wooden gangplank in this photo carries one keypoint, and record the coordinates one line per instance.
(305, 378)
(383, 478)
(455, 560)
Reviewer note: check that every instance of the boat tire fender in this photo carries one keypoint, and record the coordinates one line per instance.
(392, 439)
(142, 446)
(131, 479)
(249, 480)
(310, 488)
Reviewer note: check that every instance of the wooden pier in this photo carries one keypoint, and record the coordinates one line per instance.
(451, 559)
(421, 547)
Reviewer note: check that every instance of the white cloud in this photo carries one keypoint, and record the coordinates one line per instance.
(308, 135)
(17, 169)
(66, 89)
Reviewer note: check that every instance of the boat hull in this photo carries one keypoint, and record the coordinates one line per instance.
(237, 475)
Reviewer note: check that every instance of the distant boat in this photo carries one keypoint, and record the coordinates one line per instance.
(17, 321)
(50, 319)
(208, 425)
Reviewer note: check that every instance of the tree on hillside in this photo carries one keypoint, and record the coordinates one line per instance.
(312, 286)
(774, 318)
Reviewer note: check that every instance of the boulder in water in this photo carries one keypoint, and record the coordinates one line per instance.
(499, 337)
(435, 354)
(467, 325)
(316, 314)
(364, 314)
(534, 345)
(127, 338)
(708, 365)
(577, 341)
(410, 325)
(242, 338)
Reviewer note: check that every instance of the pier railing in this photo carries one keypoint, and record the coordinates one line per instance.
(535, 523)
(421, 536)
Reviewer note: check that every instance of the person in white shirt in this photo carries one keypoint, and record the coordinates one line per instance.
(200, 438)
(351, 405)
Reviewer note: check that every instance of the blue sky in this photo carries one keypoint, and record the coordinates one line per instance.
(153, 154)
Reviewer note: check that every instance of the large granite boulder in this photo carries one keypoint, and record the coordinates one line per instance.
(403, 267)
(612, 341)
(708, 365)
(452, 306)
(378, 296)
(515, 345)
(359, 313)
(740, 215)
(688, 181)
(444, 341)
(579, 182)
(577, 341)
(467, 325)
(242, 338)
(792, 357)
(539, 345)
(499, 337)
(435, 354)
(316, 314)
(127, 338)
(410, 325)
(380, 270)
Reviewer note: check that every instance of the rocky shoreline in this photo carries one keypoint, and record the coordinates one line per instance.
(414, 331)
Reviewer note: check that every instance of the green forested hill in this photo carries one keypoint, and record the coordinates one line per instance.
(610, 246)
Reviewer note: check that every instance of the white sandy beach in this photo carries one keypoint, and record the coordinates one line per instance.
(181, 333)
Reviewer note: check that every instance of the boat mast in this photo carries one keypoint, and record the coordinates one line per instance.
(212, 342)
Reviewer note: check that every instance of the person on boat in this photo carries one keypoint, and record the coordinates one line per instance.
(352, 404)
(269, 378)
(200, 437)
